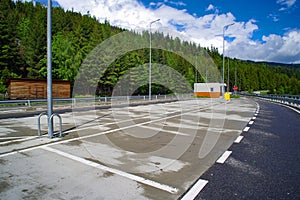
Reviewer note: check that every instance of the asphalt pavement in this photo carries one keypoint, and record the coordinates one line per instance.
(266, 162)
(152, 151)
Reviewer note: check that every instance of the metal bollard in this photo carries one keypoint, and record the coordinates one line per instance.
(39, 122)
(60, 122)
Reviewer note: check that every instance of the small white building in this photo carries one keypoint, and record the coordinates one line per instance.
(209, 90)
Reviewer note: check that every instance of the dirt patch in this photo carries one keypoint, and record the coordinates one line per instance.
(96, 161)
(4, 186)
(107, 174)
(73, 143)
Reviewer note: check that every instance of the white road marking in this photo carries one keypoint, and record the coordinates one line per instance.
(224, 157)
(18, 140)
(81, 129)
(11, 138)
(239, 139)
(8, 154)
(294, 109)
(251, 122)
(139, 179)
(122, 121)
(98, 134)
(162, 130)
(246, 129)
(253, 118)
(194, 191)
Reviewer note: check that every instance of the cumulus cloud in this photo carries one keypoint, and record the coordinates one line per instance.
(129, 14)
(285, 4)
(210, 7)
(274, 48)
(205, 30)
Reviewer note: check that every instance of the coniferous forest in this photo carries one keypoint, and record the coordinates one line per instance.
(23, 33)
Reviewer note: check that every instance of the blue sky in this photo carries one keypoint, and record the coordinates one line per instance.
(271, 16)
(264, 30)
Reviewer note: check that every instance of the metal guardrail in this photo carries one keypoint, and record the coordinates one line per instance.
(290, 100)
(31, 102)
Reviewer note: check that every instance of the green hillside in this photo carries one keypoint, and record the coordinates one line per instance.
(74, 36)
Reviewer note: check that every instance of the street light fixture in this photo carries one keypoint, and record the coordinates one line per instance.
(224, 29)
(150, 60)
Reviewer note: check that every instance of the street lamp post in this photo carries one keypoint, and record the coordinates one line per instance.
(228, 75)
(150, 60)
(49, 69)
(235, 91)
(196, 70)
(224, 28)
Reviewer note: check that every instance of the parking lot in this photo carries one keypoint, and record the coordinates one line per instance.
(155, 151)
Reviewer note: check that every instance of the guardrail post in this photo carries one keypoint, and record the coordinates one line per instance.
(28, 101)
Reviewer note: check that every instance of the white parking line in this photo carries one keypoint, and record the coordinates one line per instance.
(224, 157)
(163, 130)
(18, 140)
(139, 179)
(239, 139)
(128, 120)
(194, 191)
(98, 134)
(11, 138)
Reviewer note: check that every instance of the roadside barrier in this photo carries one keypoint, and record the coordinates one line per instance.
(290, 100)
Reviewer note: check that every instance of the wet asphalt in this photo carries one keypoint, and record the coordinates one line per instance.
(265, 164)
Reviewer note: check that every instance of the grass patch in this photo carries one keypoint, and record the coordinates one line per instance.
(202, 97)
(234, 96)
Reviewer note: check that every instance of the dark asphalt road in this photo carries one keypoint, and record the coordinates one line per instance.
(265, 165)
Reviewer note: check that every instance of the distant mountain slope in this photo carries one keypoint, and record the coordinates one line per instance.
(291, 66)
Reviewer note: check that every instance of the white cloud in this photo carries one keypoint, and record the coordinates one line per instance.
(205, 30)
(210, 7)
(288, 3)
(273, 17)
(176, 3)
(128, 14)
(285, 3)
(275, 48)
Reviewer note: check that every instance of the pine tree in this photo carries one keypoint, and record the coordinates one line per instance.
(9, 57)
